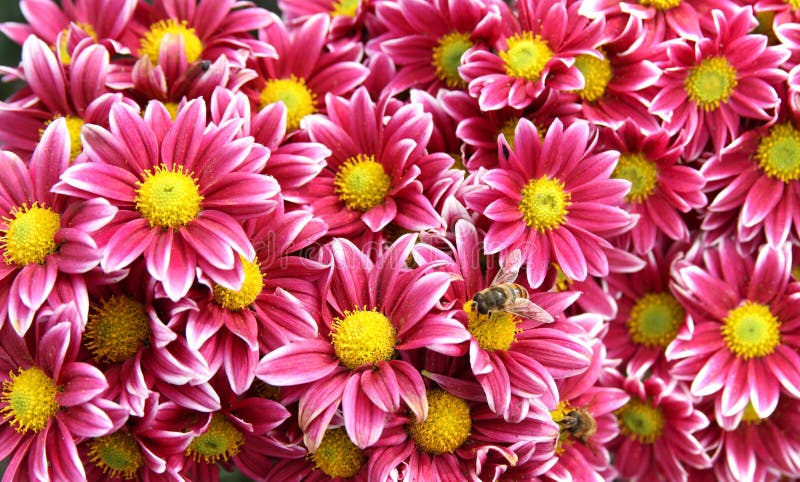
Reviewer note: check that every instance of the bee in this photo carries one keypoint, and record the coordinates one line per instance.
(580, 424)
(505, 295)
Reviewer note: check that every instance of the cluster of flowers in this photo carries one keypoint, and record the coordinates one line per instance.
(237, 240)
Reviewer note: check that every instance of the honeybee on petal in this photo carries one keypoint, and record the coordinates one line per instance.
(580, 424)
(505, 295)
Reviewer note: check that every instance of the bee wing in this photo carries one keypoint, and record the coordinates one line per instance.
(528, 309)
(510, 269)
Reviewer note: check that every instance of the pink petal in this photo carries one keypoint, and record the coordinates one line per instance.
(412, 388)
(380, 386)
(711, 378)
(279, 367)
(86, 420)
(126, 244)
(362, 419)
(81, 382)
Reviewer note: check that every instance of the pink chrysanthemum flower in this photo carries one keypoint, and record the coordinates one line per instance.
(427, 39)
(759, 449)
(661, 188)
(137, 351)
(658, 426)
(759, 182)
(512, 358)
(708, 86)
(479, 129)
(744, 343)
(182, 189)
(649, 315)
(307, 68)
(50, 400)
(146, 448)
(538, 54)
(373, 311)
(230, 326)
(77, 92)
(348, 17)
(45, 239)
(379, 172)
(553, 199)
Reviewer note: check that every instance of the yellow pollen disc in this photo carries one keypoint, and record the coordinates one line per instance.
(345, 8)
(220, 442)
(117, 454)
(29, 397)
(778, 153)
(62, 45)
(655, 319)
(544, 204)
(751, 330)
(117, 328)
(526, 56)
(447, 427)
(660, 4)
(495, 331)
(447, 58)
(28, 234)
(362, 183)
(299, 100)
(168, 31)
(338, 456)
(172, 108)
(597, 73)
(750, 416)
(363, 337)
(168, 198)
(794, 3)
(641, 172)
(253, 284)
(564, 437)
(640, 421)
(711, 83)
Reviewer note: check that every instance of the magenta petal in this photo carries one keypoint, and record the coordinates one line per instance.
(764, 388)
(279, 367)
(86, 420)
(711, 377)
(412, 388)
(34, 283)
(129, 240)
(321, 396)
(568, 254)
(200, 397)
(379, 216)
(362, 419)
(64, 461)
(735, 392)
(240, 363)
(182, 143)
(497, 386)
(380, 386)
(785, 366)
(81, 382)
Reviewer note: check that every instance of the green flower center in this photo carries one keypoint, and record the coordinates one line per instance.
(338, 456)
(447, 58)
(526, 56)
(168, 198)
(299, 100)
(30, 399)
(168, 31)
(751, 330)
(544, 204)
(495, 331)
(362, 183)
(711, 83)
(641, 172)
(220, 442)
(117, 328)
(251, 287)
(363, 337)
(640, 421)
(29, 234)
(597, 73)
(778, 153)
(117, 454)
(655, 319)
(447, 427)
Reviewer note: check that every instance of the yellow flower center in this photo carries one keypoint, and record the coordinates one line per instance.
(447, 57)
(117, 454)
(495, 331)
(564, 437)
(641, 172)
(751, 330)
(794, 3)
(544, 204)
(526, 56)
(29, 234)
(363, 337)
(299, 100)
(750, 416)
(597, 74)
(62, 46)
(117, 328)
(778, 153)
(711, 82)
(30, 399)
(338, 456)
(447, 427)
(251, 287)
(660, 4)
(345, 8)
(362, 183)
(640, 421)
(655, 319)
(172, 108)
(168, 198)
(220, 442)
(169, 31)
